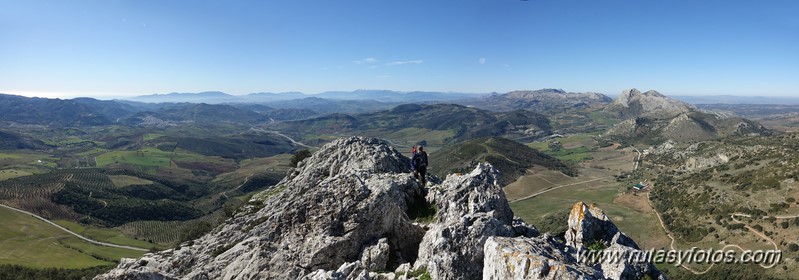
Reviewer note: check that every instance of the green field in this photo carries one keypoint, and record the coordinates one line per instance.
(151, 159)
(643, 227)
(147, 158)
(151, 136)
(247, 167)
(23, 163)
(12, 173)
(595, 184)
(576, 148)
(104, 235)
(27, 241)
(121, 181)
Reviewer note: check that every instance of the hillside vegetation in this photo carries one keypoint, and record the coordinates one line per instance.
(465, 122)
(511, 158)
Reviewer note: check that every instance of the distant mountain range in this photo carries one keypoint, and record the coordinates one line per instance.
(463, 122)
(540, 101)
(388, 96)
(731, 99)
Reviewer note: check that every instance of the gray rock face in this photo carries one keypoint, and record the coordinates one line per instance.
(589, 224)
(472, 208)
(632, 103)
(349, 195)
(532, 258)
(545, 258)
(342, 214)
(375, 257)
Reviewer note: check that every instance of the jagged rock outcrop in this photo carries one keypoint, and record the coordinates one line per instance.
(588, 224)
(546, 258)
(343, 214)
(632, 103)
(532, 258)
(472, 207)
(347, 197)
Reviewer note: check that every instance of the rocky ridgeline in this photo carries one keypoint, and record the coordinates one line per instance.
(655, 118)
(633, 103)
(554, 101)
(342, 214)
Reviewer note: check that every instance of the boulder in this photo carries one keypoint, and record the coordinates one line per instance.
(472, 208)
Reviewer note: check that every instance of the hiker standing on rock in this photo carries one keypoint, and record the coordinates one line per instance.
(419, 163)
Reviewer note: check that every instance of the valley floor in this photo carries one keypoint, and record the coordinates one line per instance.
(25, 240)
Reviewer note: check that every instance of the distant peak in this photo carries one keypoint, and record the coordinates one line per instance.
(653, 93)
(631, 92)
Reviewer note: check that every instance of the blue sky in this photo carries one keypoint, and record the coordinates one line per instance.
(125, 48)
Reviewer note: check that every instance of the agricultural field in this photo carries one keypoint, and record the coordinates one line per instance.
(575, 148)
(162, 234)
(105, 235)
(13, 173)
(596, 183)
(121, 181)
(152, 160)
(406, 138)
(278, 164)
(28, 241)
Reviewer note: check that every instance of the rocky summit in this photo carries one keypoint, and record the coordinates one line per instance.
(350, 211)
(633, 103)
(653, 118)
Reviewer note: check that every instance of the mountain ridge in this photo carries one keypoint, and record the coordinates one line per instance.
(341, 214)
(651, 118)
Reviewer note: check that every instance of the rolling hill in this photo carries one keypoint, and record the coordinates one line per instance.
(44, 111)
(13, 141)
(464, 122)
(511, 158)
(549, 101)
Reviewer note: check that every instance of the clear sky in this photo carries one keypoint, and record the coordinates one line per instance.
(123, 48)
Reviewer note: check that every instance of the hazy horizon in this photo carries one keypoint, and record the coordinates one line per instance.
(612, 95)
(107, 49)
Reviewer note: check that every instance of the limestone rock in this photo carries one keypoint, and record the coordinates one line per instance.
(349, 194)
(342, 214)
(375, 257)
(632, 103)
(531, 258)
(589, 224)
(472, 208)
(546, 258)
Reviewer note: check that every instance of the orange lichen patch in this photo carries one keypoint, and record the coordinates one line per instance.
(578, 210)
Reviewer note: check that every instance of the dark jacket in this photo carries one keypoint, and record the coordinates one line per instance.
(419, 160)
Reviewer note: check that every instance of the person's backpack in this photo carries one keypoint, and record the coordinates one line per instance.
(413, 158)
(422, 160)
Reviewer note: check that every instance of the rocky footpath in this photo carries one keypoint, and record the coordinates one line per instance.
(346, 213)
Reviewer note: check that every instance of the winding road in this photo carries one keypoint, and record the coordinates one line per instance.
(284, 136)
(555, 188)
(76, 234)
(726, 247)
